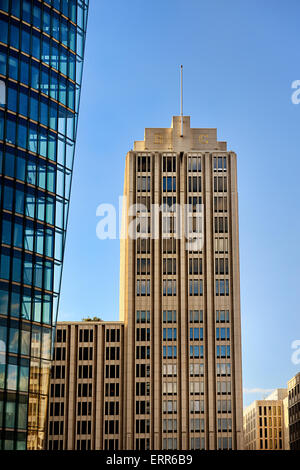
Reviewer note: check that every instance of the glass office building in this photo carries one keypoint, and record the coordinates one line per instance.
(41, 59)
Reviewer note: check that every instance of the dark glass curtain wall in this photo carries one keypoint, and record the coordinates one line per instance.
(41, 58)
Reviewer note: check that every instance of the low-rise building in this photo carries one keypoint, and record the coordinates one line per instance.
(84, 410)
(265, 423)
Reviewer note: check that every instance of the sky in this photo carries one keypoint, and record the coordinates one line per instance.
(240, 59)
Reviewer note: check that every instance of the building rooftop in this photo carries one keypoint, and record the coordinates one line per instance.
(172, 139)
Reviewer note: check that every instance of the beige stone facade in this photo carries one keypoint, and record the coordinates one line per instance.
(85, 400)
(187, 288)
(266, 423)
(180, 374)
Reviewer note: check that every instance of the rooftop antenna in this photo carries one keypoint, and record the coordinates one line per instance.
(181, 102)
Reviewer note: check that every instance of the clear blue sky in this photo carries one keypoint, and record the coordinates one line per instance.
(240, 58)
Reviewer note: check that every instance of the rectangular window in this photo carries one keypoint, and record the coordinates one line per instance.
(195, 287)
(169, 183)
(222, 316)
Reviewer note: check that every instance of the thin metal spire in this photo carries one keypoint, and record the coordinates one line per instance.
(181, 101)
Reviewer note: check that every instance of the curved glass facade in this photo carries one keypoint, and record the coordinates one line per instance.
(41, 59)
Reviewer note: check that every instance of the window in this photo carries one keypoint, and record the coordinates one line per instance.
(169, 287)
(60, 354)
(220, 184)
(111, 389)
(195, 287)
(169, 245)
(85, 390)
(112, 371)
(169, 183)
(196, 334)
(222, 287)
(143, 334)
(194, 184)
(143, 224)
(224, 443)
(221, 225)
(143, 266)
(197, 388)
(222, 316)
(169, 164)
(169, 370)
(169, 352)
(143, 287)
(112, 353)
(195, 204)
(221, 245)
(169, 316)
(169, 388)
(169, 204)
(143, 183)
(143, 163)
(142, 407)
(169, 224)
(143, 316)
(61, 336)
(197, 443)
(169, 425)
(58, 372)
(194, 164)
(57, 390)
(143, 204)
(224, 425)
(196, 406)
(221, 266)
(142, 370)
(197, 425)
(196, 369)
(169, 406)
(112, 335)
(169, 266)
(169, 334)
(142, 426)
(220, 163)
(223, 388)
(85, 335)
(196, 352)
(142, 352)
(220, 204)
(111, 426)
(195, 266)
(85, 372)
(223, 334)
(223, 352)
(196, 316)
(142, 389)
(223, 369)
(143, 245)
(86, 354)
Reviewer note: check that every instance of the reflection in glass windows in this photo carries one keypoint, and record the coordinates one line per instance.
(41, 58)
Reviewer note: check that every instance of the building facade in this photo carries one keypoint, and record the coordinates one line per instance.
(294, 411)
(180, 378)
(86, 387)
(266, 424)
(41, 59)
(180, 292)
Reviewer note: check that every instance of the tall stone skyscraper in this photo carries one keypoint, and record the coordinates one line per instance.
(41, 59)
(180, 292)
